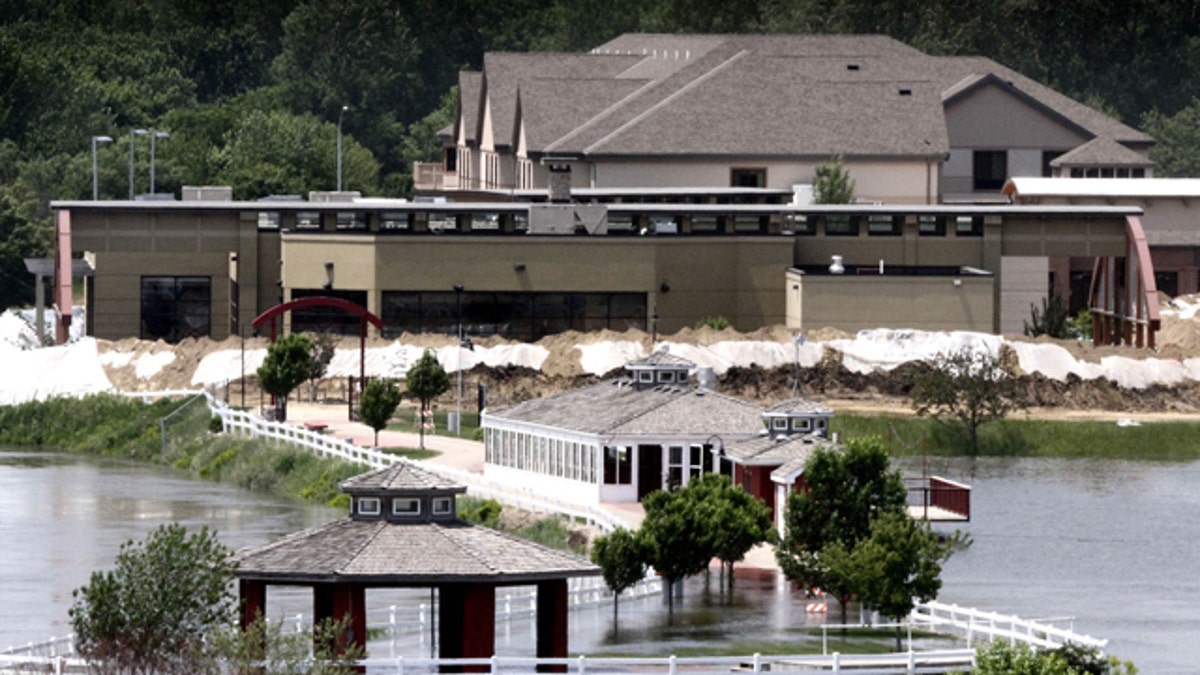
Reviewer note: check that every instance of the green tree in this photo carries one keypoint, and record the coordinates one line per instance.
(277, 152)
(1052, 320)
(426, 380)
(844, 489)
(1177, 151)
(966, 389)
(899, 563)
(286, 366)
(153, 611)
(324, 349)
(738, 521)
(267, 649)
(832, 183)
(621, 560)
(379, 401)
(676, 538)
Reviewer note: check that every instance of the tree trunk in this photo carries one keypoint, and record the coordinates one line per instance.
(421, 423)
(899, 645)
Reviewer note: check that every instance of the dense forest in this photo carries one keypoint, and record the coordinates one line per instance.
(251, 93)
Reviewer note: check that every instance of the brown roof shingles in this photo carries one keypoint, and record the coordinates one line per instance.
(406, 554)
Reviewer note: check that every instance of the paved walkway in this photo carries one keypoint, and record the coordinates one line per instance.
(465, 454)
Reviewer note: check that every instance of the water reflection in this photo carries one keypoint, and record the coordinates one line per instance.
(1111, 543)
(61, 517)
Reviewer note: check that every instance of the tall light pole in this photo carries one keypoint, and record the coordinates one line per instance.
(95, 180)
(458, 289)
(133, 133)
(339, 148)
(153, 138)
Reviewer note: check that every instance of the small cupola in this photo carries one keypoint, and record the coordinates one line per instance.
(402, 493)
(797, 416)
(660, 368)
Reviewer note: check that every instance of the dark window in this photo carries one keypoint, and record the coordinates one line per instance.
(1137, 173)
(1076, 172)
(799, 224)
(931, 226)
(750, 224)
(268, 220)
(1106, 172)
(1047, 157)
(1122, 172)
(451, 159)
(1081, 291)
(1167, 282)
(394, 221)
(519, 316)
(837, 225)
(351, 220)
(884, 226)
(618, 466)
(327, 319)
(968, 226)
(706, 224)
(174, 308)
(748, 178)
(991, 169)
(308, 220)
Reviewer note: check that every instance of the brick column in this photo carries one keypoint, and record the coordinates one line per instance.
(552, 622)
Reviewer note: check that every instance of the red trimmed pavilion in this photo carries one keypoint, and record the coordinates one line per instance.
(403, 531)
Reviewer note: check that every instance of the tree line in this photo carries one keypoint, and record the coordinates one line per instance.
(252, 93)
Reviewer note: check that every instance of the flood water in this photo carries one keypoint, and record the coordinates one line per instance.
(1112, 544)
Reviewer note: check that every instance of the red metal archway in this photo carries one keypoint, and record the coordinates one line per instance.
(364, 317)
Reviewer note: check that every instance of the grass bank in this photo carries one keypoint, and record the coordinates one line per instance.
(1018, 437)
(116, 426)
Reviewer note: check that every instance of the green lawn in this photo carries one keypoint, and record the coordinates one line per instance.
(404, 418)
(1030, 438)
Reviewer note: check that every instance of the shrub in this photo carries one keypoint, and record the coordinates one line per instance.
(715, 322)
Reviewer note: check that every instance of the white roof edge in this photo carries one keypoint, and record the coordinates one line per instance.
(1103, 187)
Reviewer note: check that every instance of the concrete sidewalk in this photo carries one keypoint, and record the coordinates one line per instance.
(460, 453)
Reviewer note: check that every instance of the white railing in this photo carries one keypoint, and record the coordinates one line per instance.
(54, 647)
(975, 624)
(42, 664)
(248, 424)
(581, 593)
(861, 664)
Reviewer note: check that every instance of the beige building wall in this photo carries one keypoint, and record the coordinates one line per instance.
(1024, 281)
(894, 182)
(854, 303)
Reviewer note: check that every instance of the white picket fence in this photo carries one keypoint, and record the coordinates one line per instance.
(250, 425)
(973, 624)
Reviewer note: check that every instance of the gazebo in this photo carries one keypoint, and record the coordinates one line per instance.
(403, 531)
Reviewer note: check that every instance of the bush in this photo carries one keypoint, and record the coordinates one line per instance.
(715, 322)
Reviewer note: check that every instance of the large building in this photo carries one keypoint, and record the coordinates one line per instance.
(653, 182)
(715, 111)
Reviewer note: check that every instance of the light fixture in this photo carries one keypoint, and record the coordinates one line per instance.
(95, 180)
(133, 134)
(328, 275)
(339, 147)
(519, 267)
(153, 139)
(663, 287)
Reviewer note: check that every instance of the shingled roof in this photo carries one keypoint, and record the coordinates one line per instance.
(774, 451)
(752, 96)
(1101, 152)
(403, 475)
(617, 407)
(419, 554)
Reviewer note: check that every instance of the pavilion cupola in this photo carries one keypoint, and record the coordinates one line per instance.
(402, 493)
(797, 416)
(660, 368)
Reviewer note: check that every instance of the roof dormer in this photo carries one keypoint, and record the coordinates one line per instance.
(402, 493)
(797, 416)
(660, 368)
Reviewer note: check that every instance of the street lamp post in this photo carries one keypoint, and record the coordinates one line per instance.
(458, 288)
(153, 138)
(339, 147)
(95, 180)
(133, 134)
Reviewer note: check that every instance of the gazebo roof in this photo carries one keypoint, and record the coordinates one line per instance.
(379, 553)
(403, 476)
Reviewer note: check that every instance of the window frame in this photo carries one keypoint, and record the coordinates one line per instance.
(407, 512)
(361, 504)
